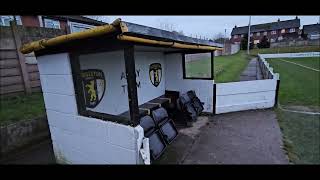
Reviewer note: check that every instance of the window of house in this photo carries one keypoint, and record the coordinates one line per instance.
(242, 35)
(50, 23)
(235, 36)
(292, 30)
(283, 31)
(5, 20)
(280, 38)
(265, 33)
(198, 66)
(258, 34)
(77, 27)
(251, 34)
(256, 41)
(273, 32)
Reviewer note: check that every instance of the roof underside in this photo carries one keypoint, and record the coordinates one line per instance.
(295, 23)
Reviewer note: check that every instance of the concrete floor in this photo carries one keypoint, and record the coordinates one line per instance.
(252, 72)
(248, 137)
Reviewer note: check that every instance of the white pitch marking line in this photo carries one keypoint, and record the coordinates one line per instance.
(301, 65)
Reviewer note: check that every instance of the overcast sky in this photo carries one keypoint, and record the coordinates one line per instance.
(208, 26)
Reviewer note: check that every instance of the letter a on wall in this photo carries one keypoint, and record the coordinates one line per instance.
(94, 86)
(155, 73)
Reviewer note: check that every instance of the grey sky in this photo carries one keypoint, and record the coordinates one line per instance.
(208, 26)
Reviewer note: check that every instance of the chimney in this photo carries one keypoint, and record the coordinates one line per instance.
(278, 19)
(235, 26)
(296, 17)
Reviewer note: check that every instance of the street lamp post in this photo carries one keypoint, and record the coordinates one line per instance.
(248, 47)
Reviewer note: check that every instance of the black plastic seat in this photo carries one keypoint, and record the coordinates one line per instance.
(169, 131)
(148, 125)
(197, 104)
(157, 145)
(165, 124)
(160, 116)
(186, 107)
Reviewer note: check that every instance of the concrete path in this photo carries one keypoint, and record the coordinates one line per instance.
(38, 154)
(252, 72)
(248, 137)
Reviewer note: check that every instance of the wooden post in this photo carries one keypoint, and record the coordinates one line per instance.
(212, 64)
(132, 84)
(21, 58)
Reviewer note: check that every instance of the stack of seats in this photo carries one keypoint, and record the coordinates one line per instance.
(189, 107)
(197, 104)
(160, 130)
(165, 124)
(157, 144)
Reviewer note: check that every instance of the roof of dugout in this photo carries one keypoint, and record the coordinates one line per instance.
(130, 32)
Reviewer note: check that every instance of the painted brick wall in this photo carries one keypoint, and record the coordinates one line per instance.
(77, 139)
(175, 82)
(147, 91)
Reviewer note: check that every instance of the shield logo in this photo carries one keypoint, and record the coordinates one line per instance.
(155, 73)
(94, 86)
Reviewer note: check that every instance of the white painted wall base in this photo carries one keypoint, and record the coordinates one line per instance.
(245, 95)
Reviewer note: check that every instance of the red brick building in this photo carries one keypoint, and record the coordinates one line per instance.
(274, 31)
(66, 23)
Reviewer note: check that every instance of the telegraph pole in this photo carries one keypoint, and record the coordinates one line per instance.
(248, 47)
(224, 43)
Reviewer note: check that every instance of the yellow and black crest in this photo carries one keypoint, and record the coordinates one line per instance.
(155, 73)
(94, 86)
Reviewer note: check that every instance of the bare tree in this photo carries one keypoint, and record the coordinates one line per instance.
(218, 36)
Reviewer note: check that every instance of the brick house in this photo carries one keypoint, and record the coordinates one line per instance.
(66, 23)
(311, 31)
(274, 31)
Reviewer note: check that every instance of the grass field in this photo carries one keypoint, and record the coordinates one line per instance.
(299, 87)
(226, 68)
(21, 107)
(302, 136)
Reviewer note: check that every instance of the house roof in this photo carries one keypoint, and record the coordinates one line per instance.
(311, 28)
(160, 34)
(294, 23)
(125, 31)
(79, 19)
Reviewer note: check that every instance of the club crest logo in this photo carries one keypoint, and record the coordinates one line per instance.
(94, 86)
(155, 73)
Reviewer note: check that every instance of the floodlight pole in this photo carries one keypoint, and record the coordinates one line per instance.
(248, 47)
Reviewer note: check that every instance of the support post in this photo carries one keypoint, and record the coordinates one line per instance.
(132, 84)
(212, 64)
(214, 98)
(21, 58)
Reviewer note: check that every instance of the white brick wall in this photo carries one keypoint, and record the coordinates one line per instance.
(175, 82)
(77, 139)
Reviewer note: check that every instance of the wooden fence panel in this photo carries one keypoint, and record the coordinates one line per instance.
(8, 63)
(8, 54)
(19, 72)
(11, 89)
(10, 72)
(11, 80)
